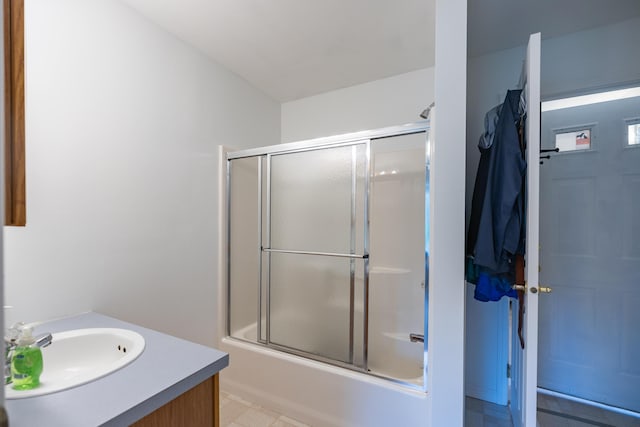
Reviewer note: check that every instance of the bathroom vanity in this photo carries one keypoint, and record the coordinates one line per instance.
(173, 382)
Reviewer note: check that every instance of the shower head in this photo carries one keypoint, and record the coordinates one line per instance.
(425, 113)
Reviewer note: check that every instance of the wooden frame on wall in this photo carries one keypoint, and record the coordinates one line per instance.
(15, 187)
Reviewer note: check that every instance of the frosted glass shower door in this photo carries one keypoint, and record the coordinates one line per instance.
(316, 249)
(398, 245)
(244, 248)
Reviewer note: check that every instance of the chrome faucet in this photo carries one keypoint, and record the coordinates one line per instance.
(11, 342)
(8, 354)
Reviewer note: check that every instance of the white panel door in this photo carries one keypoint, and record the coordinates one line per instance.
(590, 253)
(524, 399)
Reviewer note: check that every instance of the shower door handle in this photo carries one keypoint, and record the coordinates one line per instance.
(333, 254)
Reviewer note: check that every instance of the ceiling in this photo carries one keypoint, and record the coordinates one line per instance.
(292, 49)
(502, 24)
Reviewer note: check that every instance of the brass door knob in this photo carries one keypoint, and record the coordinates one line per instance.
(533, 289)
(541, 289)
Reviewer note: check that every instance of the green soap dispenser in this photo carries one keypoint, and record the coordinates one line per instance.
(26, 362)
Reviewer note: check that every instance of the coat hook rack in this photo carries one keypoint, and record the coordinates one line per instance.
(544, 157)
(547, 150)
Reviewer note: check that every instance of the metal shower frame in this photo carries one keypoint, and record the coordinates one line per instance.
(264, 156)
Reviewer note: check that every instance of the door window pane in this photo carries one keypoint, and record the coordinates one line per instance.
(574, 140)
(634, 134)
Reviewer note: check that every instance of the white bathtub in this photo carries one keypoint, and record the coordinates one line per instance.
(317, 393)
(323, 395)
(401, 371)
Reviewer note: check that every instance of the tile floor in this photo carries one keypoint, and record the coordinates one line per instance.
(237, 412)
(557, 412)
(479, 413)
(552, 412)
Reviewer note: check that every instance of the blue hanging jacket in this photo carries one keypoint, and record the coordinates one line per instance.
(496, 228)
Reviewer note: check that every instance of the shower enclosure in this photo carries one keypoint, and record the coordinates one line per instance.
(328, 250)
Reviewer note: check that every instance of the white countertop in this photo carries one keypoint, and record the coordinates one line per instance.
(167, 368)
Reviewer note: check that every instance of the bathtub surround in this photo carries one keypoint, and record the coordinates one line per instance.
(310, 391)
(339, 276)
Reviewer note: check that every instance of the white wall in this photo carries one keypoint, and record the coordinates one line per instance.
(123, 121)
(387, 102)
(576, 63)
(446, 276)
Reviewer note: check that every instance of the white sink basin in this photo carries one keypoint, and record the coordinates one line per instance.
(82, 355)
